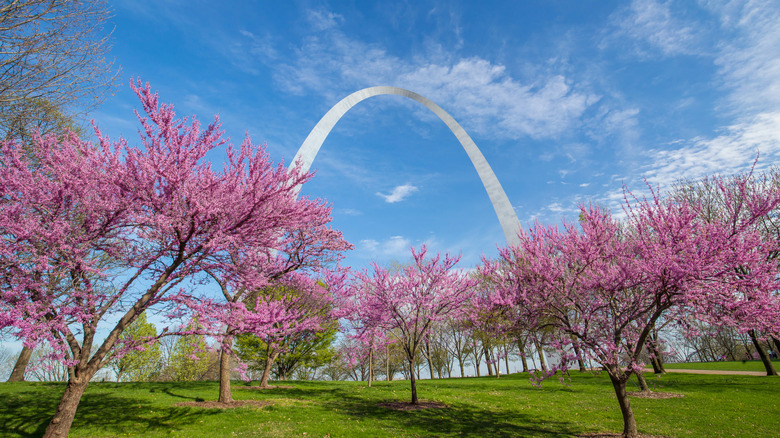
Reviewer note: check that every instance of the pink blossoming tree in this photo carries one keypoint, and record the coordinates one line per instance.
(408, 302)
(160, 212)
(264, 296)
(604, 284)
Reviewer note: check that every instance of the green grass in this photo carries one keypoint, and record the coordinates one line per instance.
(713, 406)
(750, 365)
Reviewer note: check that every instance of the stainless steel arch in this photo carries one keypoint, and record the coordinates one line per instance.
(308, 150)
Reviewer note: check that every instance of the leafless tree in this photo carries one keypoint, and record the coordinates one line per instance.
(53, 63)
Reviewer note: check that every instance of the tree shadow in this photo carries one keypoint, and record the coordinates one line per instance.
(459, 419)
(27, 413)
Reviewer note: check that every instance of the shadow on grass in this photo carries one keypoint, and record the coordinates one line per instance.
(457, 419)
(27, 413)
(461, 419)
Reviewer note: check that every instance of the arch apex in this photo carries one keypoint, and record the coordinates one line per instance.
(313, 142)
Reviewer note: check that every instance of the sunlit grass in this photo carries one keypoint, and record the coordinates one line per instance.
(750, 365)
(510, 406)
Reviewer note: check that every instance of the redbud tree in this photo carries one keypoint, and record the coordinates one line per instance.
(158, 211)
(604, 284)
(407, 303)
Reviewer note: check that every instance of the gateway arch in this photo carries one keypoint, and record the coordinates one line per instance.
(506, 214)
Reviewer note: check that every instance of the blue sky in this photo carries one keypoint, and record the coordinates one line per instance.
(567, 100)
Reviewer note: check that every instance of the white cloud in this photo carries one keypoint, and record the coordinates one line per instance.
(731, 152)
(750, 64)
(747, 55)
(652, 24)
(350, 212)
(399, 193)
(323, 20)
(395, 246)
(482, 95)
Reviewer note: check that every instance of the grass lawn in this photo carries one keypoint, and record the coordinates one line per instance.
(712, 406)
(750, 365)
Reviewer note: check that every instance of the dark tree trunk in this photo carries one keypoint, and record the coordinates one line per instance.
(488, 361)
(579, 355)
(656, 358)
(66, 410)
(525, 362)
(657, 367)
(428, 358)
(770, 369)
(629, 422)
(777, 345)
(387, 363)
(414, 383)
(521, 347)
(640, 376)
(269, 361)
(17, 375)
(370, 366)
(542, 362)
(225, 395)
(462, 370)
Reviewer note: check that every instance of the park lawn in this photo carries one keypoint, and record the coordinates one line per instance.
(749, 365)
(712, 406)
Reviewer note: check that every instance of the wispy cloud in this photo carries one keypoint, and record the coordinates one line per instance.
(398, 194)
(750, 64)
(323, 20)
(482, 94)
(731, 152)
(395, 246)
(746, 51)
(653, 28)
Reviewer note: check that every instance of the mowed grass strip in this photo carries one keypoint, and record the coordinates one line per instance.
(748, 365)
(712, 406)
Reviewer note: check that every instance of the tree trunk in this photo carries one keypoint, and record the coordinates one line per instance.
(657, 359)
(524, 361)
(428, 357)
(521, 347)
(640, 376)
(657, 368)
(370, 366)
(770, 369)
(225, 395)
(414, 384)
(629, 422)
(506, 359)
(539, 349)
(488, 360)
(269, 360)
(66, 410)
(387, 363)
(777, 345)
(579, 355)
(17, 375)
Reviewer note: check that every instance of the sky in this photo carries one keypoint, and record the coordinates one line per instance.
(567, 100)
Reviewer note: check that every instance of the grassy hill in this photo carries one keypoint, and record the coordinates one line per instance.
(712, 406)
